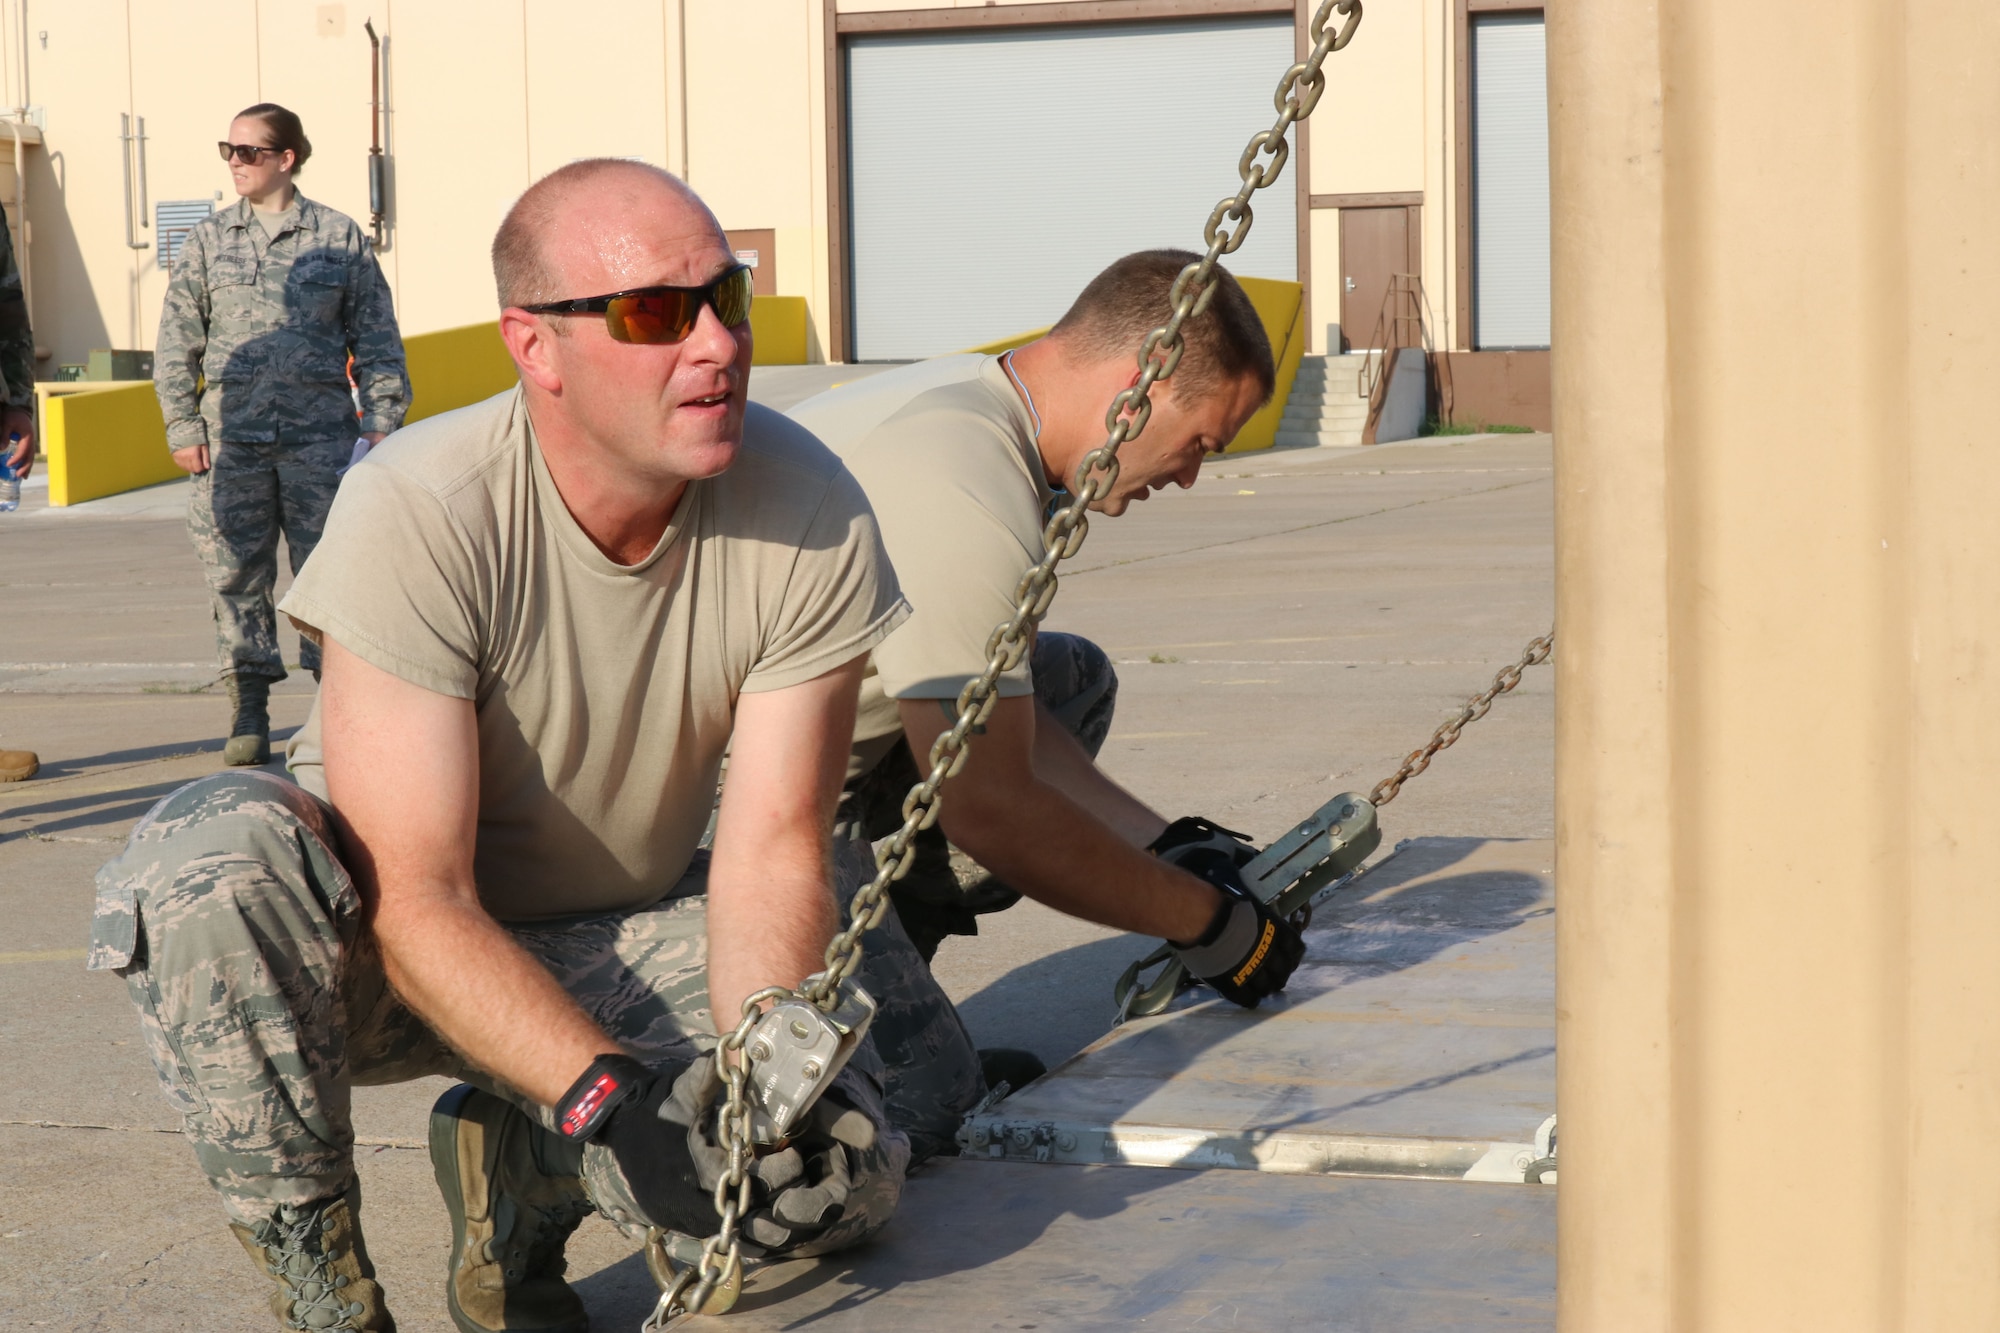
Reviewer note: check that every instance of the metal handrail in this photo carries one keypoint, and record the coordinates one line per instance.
(1405, 321)
(1393, 328)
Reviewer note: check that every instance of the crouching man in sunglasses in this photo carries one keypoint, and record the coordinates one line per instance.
(543, 618)
(962, 458)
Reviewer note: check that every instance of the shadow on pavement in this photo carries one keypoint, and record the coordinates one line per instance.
(1055, 1005)
(95, 807)
(65, 810)
(1394, 918)
(144, 754)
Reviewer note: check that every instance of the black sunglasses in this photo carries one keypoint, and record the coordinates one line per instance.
(662, 314)
(243, 152)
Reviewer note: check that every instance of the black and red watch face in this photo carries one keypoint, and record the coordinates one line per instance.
(586, 1111)
(597, 1094)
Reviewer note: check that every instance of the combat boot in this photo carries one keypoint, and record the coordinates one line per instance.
(18, 765)
(250, 734)
(314, 1253)
(515, 1194)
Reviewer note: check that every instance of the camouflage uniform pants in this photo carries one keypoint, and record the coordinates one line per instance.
(1074, 682)
(263, 1001)
(251, 493)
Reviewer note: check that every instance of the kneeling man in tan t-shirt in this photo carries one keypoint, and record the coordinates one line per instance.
(962, 458)
(544, 617)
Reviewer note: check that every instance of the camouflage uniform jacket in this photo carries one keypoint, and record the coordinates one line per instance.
(17, 343)
(256, 331)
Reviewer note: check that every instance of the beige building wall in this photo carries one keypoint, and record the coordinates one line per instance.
(1368, 136)
(461, 150)
(1778, 582)
(480, 99)
(757, 132)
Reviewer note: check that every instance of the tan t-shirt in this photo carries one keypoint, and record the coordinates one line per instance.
(605, 693)
(946, 451)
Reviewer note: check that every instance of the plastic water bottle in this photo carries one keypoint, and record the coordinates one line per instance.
(10, 486)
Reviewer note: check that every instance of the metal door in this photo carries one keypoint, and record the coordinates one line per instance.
(1375, 243)
(1510, 182)
(993, 174)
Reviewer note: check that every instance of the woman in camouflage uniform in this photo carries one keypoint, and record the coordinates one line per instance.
(268, 300)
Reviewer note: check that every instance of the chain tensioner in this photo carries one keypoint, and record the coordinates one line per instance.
(1316, 857)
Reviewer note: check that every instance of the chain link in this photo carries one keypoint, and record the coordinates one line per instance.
(1228, 226)
(1475, 708)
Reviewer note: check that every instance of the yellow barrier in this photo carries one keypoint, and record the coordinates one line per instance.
(104, 439)
(1009, 344)
(778, 325)
(1281, 307)
(99, 440)
(455, 368)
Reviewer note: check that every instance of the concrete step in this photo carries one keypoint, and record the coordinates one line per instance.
(1353, 427)
(1338, 386)
(1325, 408)
(1331, 365)
(1327, 439)
(1322, 425)
(1328, 383)
(1352, 409)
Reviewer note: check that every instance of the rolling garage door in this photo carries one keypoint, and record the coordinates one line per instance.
(1510, 182)
(991, 174)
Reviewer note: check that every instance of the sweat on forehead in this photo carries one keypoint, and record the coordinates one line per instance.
(578, 215)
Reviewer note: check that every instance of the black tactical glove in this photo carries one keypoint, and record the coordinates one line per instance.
(1246, 953)
(798, 1190)
(637, 1168)
(1193, 842)
(657, 1151)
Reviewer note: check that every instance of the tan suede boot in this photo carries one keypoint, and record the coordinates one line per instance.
(315, 1255)
(515, 1196)
(18, 765)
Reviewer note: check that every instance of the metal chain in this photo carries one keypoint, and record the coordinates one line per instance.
(1475, 708)
(1297, 94)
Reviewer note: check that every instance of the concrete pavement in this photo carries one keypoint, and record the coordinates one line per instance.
(1286, 631)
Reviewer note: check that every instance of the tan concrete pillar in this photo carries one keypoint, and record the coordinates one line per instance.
(1777, 286)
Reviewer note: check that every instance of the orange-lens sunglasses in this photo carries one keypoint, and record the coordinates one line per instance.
(661, 314)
